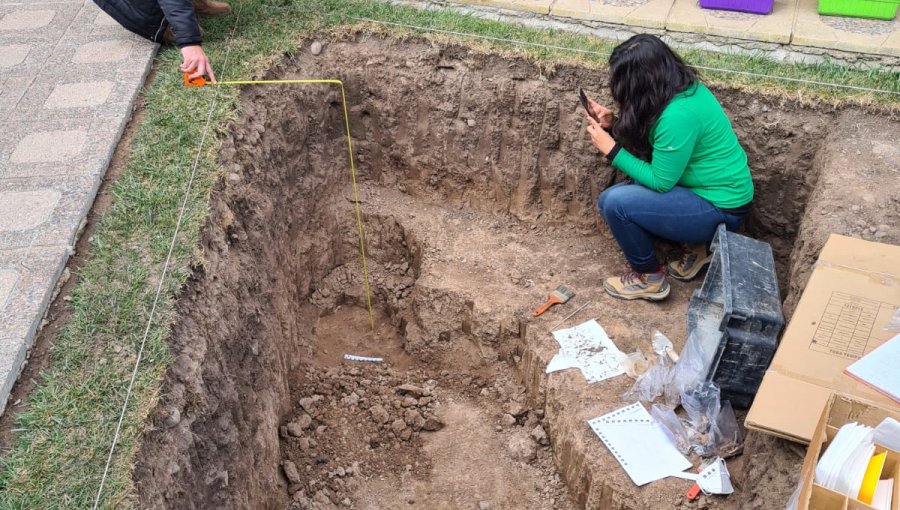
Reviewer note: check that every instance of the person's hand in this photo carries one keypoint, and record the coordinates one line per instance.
(603, 114)
(599, 137)
(196, 63)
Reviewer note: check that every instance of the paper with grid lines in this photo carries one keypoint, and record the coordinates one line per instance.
(639, 443)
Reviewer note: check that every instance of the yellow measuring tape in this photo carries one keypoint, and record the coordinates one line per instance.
(201, 82)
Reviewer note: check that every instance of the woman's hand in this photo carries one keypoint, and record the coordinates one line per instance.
(603, 114)
(599, 137)
(196, 63)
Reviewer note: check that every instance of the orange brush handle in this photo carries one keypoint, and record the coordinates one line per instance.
(694, 493)
(552, 300)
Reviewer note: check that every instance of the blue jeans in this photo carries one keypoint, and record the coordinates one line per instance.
(636, 215)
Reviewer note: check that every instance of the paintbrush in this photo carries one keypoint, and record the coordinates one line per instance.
(558, 296)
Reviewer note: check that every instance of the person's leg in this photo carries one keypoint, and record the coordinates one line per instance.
(636, 215)
(694, 257)
(734, 221)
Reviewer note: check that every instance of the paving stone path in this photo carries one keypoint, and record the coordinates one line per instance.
(69, 77)
(791, 22)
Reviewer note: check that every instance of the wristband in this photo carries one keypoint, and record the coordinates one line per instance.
(612, 153)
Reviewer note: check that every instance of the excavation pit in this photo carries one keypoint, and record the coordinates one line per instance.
(476, 184)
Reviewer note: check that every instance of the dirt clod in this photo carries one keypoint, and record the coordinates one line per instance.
(522, 448)
(294, 429)
(290, 471)
(540, 436)
(173, 418)
(432, 424)
(379, 414)
(515, 409)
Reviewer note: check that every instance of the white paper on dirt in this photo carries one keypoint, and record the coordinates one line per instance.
(588, 348)
(638, 442)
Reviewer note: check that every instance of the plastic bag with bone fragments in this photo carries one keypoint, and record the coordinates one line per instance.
(672, 426)
(702, 406)
(727, 433)
(653, 382)
(688, 372)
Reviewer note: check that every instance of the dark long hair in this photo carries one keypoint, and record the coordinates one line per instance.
(644, 75)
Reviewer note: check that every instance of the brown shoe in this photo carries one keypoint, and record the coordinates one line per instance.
(634, 285)
(211, 8)
(693, 259)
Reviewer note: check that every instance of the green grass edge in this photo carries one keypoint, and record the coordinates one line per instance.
(63, 436)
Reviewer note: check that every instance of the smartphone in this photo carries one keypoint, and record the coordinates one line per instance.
(584, 102)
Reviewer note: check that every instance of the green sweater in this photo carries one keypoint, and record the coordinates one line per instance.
(693, 147)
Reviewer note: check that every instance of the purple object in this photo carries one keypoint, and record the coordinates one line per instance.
(753, 6)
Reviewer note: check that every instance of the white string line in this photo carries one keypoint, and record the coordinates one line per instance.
(477, 36)
(165, 270)
(602, 54)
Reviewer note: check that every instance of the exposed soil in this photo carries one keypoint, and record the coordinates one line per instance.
(477, 184)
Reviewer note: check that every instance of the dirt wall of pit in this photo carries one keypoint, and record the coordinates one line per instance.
(214, 439)
(858, 193)
(451, 125)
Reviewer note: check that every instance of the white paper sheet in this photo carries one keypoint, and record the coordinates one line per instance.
(588, 348)
(887, 433)
(878, 369)
(842, 467)
(884, 491)
(638, 442)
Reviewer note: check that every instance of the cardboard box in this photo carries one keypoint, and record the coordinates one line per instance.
(840, 410)
(843, 314)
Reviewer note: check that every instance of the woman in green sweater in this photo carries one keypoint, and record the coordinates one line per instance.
(689, 172)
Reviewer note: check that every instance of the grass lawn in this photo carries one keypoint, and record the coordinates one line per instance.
(64, 434)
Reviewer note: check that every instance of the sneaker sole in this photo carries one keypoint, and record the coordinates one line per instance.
(659, 296)
(693, 274)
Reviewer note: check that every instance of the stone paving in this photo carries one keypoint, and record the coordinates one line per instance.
(794, 22)
(69, 77)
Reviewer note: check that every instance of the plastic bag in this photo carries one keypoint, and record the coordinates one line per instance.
(672, 427)
(651, 383)
(729, 440)
(635, 364)
(702, 406)
(688, 372)
(657, 378)
(794, 500)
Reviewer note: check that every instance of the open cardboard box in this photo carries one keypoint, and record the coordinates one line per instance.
(840, 410)
(845, 312)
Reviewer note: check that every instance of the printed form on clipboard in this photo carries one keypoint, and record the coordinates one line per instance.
(639, 443)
